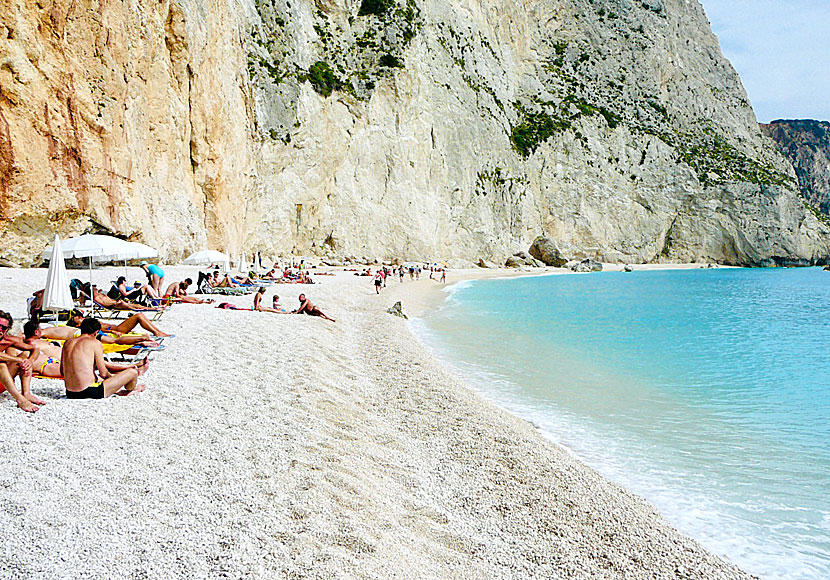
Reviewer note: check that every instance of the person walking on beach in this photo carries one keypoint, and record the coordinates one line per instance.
(378, 282)
(306, 307)
(19, 365)
(82, 358)
(401, 273)
(155, 275)
(443, 275)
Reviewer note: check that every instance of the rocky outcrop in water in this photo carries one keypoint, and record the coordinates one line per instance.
(410, 128)
(806, 144)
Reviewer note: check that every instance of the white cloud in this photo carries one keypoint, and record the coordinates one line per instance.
(782, 52)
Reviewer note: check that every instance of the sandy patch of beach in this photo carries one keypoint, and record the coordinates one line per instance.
(284, 446)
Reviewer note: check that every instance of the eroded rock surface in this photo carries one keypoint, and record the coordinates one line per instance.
(546, 250)
(806, 144)
(414, 128)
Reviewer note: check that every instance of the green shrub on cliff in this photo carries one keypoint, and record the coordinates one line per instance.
(390, 61)
(322, 78)
(375, 7)
(533, 130)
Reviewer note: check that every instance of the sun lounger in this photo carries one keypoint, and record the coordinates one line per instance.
(101, 311)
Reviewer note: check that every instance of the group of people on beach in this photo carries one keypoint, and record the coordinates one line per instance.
(74, 353)
(379, 278)
(305, 307)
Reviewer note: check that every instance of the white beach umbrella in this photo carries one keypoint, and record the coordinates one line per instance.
(143, 251)
(97, 246)
(208, 257)
(101, 247)
(57, 296)
(205, 257)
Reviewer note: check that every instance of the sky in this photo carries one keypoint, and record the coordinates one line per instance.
(781, 49)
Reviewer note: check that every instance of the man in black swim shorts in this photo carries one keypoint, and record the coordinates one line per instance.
(85, 371)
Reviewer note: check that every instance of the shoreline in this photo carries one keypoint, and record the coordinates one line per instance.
(281, 446)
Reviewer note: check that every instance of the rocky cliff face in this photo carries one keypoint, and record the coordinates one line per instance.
(806, 144)
(411, 128)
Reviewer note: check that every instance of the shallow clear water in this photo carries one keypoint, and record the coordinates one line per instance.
(705, 391)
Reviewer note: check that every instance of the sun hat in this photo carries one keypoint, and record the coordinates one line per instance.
(142, 263)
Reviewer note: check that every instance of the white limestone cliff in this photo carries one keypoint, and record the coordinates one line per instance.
(389, 128)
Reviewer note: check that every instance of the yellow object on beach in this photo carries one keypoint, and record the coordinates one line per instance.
(108, 348)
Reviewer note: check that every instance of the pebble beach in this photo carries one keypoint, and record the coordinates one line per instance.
(283, 446)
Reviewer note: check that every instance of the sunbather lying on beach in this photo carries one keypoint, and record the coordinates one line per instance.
(17, 365)
(242, 280)
(226, 282)
(306, 307)
(67, 332)
(260, 308)
(85, 371)
(112, 333)
(105, 301)
(178, 290)
(123, 327)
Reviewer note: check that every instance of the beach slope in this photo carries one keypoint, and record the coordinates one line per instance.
(277, 446)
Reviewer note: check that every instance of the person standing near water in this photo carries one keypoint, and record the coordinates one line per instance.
(443, 275)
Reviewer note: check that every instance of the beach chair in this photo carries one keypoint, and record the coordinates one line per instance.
(132, 354)
(105, 313)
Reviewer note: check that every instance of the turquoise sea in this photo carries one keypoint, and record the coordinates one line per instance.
(705, 391)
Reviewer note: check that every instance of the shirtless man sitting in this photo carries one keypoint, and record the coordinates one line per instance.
(48, 363)
(178, 290)
(16, 365)
(83, 357)
(306, 307)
